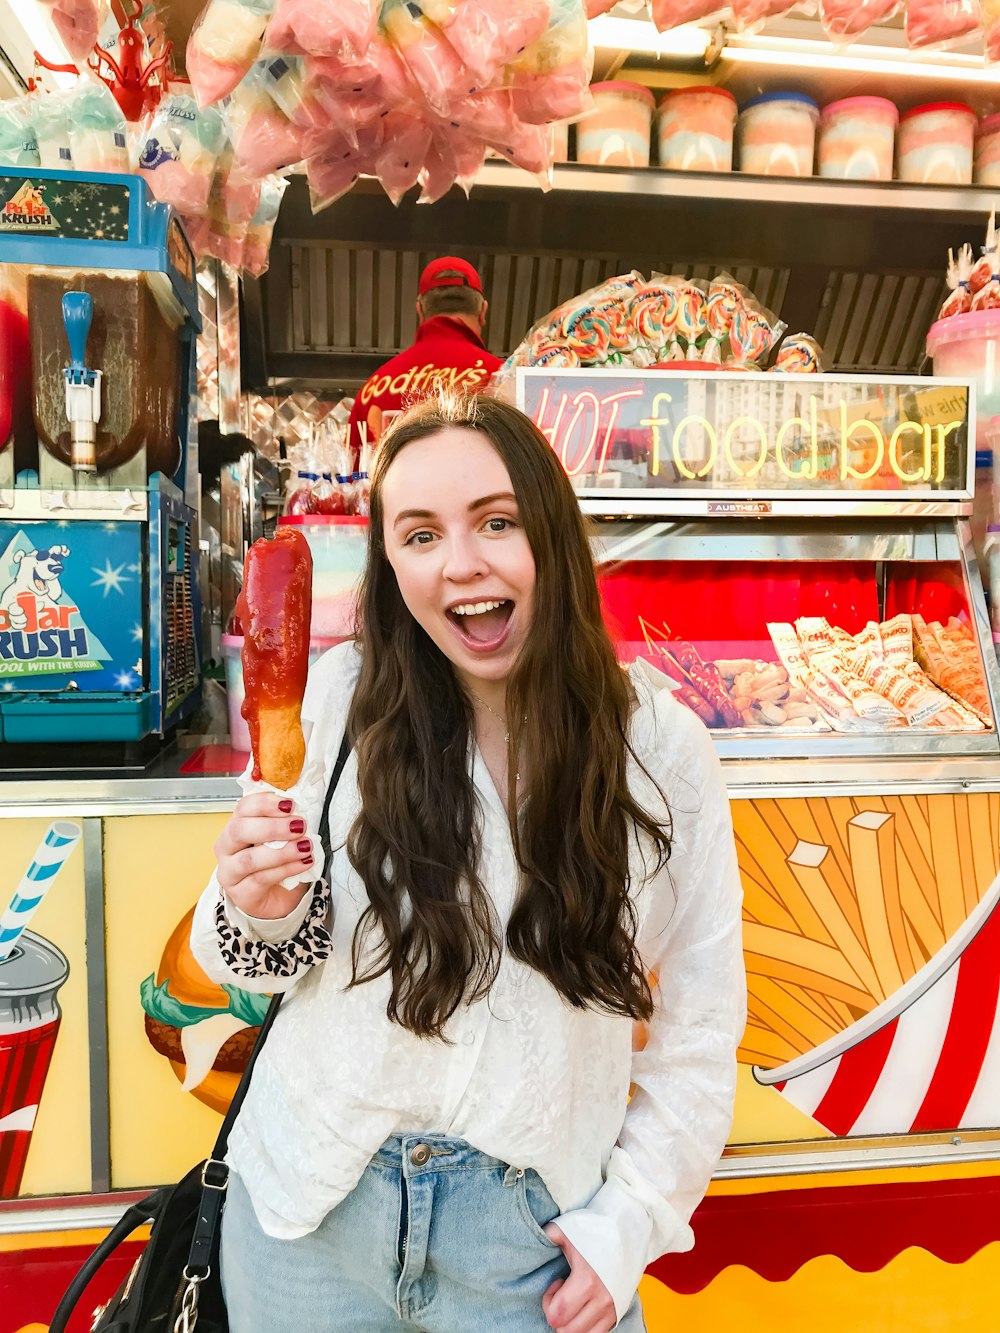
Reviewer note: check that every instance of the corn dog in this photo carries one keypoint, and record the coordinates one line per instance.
(275, 610)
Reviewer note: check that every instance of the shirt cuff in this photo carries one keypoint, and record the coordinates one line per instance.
(265, 930)
(614, 1234)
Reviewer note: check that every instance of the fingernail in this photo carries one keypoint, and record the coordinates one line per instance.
(307, 860)
(297, 826)
(305, 845)
(286, 807)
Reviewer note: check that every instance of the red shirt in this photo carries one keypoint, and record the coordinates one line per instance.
(446, 352)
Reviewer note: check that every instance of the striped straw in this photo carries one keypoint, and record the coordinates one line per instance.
(53, 852)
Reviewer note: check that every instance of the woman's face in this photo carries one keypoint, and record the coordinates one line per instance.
(454, 539)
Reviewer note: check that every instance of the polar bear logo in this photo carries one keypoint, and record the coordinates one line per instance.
(37, 573)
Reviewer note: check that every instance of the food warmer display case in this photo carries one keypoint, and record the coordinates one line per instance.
(791, 556)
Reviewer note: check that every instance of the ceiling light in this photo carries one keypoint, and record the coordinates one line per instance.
(639, 36)
(860, 59)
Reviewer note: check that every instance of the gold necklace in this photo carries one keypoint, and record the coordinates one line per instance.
(500, 718)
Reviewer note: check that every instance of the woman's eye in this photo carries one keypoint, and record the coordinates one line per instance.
(498, 524)
(419, 538)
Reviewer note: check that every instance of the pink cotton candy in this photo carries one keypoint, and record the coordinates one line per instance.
(406, 141)
(172, 183)
(595, 8)
(435, 68)
(78, 23)
(333, 172)
(489, 34)
(847, 19)
(211, 79)
(268, 142)
(558, 95)
(437, 177)
(322, 27)
(488, 115)
(939, 22)
(526, 146)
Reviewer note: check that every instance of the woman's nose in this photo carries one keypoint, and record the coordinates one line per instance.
(463, 559)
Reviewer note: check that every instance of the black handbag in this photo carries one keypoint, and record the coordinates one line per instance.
(174, 1285)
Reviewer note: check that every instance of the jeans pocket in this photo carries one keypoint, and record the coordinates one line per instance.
(536, 1205)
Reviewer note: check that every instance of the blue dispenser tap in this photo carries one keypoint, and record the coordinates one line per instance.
(83, 385)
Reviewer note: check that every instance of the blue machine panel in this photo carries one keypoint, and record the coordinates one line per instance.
(72, 606)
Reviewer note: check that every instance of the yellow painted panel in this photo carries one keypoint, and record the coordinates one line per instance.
(59, 1155)
(155, 869)
(914, 1293)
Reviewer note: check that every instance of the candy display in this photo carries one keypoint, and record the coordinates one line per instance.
(935, 144)
(616, 133)
(856, 139)
(799, 354)
(695, 129)
(274, 609)
(628, 321)
(900, 673)
(777, 135)
(178, 152)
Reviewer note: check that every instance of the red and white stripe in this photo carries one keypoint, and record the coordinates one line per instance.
(928, 1058)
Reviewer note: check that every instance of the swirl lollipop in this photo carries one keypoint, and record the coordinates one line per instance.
(724, 299)
(690, 320)
(654, 314)
(623, 335)
(800, 355)
(555, 355)
(751, 335)
(587, 332)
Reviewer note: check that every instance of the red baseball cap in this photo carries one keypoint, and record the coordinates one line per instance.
(449, 271)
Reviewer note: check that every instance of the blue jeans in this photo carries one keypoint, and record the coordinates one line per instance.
(436, 1237)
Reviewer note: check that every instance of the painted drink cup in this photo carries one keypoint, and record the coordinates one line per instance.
(29, 1023)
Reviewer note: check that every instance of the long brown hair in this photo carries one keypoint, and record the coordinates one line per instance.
(416, 843)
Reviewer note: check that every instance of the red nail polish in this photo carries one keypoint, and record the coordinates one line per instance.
(297, 826)
(307, 860)
(304, 846)
(286, 807)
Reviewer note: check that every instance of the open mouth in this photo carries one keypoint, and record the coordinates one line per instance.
(482, 625)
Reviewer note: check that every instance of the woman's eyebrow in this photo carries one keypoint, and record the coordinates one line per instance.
(481, 503)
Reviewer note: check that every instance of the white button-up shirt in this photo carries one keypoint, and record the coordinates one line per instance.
(526, 1078)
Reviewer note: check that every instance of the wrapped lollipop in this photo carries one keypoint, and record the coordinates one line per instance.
(725, 298)
(982, 269)
(587, 332)
(690, 323)
(754, 332)
(959, 298)
(988, 296)
(653, 312)
(799, 355)
(554, 355)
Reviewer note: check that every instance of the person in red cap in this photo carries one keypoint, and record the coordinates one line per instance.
(448, 350)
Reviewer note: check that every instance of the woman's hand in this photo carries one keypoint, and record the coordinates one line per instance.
(251, 873)
(581, 1303)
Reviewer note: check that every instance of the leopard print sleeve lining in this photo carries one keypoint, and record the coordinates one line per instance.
(311, 944)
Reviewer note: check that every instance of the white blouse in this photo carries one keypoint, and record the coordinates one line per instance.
(526, 1078)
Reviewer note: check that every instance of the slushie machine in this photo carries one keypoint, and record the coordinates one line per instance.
(99, 614)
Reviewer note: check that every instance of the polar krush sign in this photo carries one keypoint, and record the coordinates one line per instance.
(42, 630)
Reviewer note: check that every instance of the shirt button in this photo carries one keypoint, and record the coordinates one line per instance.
(420, 1155)
(469, 1039)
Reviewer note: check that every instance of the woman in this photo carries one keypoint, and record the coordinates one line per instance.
(438, 1134)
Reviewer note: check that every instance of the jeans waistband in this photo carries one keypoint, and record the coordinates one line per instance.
(433, 1152)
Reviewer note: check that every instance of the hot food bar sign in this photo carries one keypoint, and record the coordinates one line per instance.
(726, 443)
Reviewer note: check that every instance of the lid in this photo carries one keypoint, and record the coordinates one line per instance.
(623, 86)
(29, 979)
(988, 124)
(928, 107)
(963, 328)
(329, 520)
(781, 97)
(699, 88)
(861, 104)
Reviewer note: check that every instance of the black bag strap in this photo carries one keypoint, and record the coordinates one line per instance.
(215, 1173)
(221, 1143)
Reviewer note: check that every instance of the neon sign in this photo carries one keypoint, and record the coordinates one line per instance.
(761, 433)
